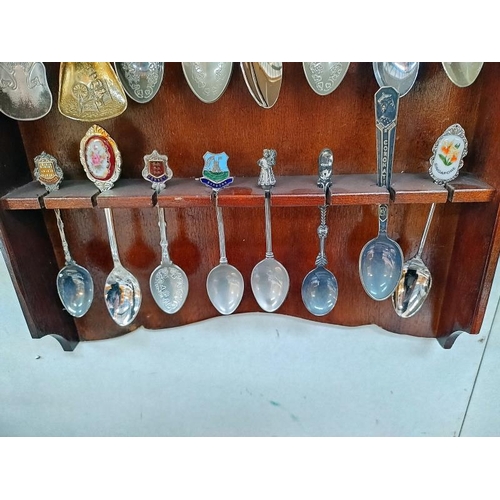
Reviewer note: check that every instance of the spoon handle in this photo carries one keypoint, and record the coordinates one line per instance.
(426, 231)
(165, 257)
(383, 213)
(322, 233)
(112, 238)
(386, 117)
(269, 238)
(60, 225)
(220, 229)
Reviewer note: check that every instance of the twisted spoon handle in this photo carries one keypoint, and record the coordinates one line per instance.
(112, 237)
(165, 257)
(60, 226)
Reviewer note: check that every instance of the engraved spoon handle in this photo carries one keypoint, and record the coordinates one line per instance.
(322, 233)
(426, 231)
(60, 225)
(269, 238)
(165, 257)
(112, 237)
(220, 229)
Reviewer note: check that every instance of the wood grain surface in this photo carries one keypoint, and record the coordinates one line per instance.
(463, 242)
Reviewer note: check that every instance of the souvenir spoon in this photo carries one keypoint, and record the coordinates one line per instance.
(400, 75)
(225, 283)
(381, 259)
(24, 91)
(319, 288)
(270, 281)
(101, 161)
(90, 91)
(416, 279)
(325, 77)
(462, 74)
(263, 80)
(168, 282)
(75, 286)
(207, 80)
(141, 80)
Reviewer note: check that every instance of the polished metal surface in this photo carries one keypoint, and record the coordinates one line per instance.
(269, 280)
(400, 75)
(101, 160)
(462, 74)
(141, 80)
(74, 283)
(381, 259)
(122, 292)
(24, 91)
(168, 282)
(416, 280)
(248, 76)
(225, 284)
(319, 289)
(90, 91)
(263, 80)
(75, 286)
(207, 80)
(325, 77)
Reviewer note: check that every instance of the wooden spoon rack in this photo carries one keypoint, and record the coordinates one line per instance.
(461, 251)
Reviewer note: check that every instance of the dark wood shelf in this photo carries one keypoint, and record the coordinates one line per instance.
(468, 188)
(289, 191)
(72, 194)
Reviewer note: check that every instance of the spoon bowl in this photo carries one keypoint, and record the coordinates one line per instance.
(122, 295)
(169, 287)
(319, 291)
(207, 80)
(225, 287)
(75, 288)
(400, 75)
(270, 284)
(380, 265)
(325, 77)
(412, 289)
(462, 74)
(141, 80)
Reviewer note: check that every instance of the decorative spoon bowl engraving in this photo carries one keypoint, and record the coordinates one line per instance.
(168, 282)
(207, 80)
(141, 80)
(24, 91)
(90, 91)
(325, 77)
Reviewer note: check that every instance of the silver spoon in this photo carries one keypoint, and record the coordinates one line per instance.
(225, 283)
(320, 288)
(263, 80)
(270, 281)
(24, 90)
(168, 282)
(122, 293)
(74, 283)
(207, 80)
(141, 80)
(416, 279)
(381, 259)
(325, 77)
(462, 74)
(400, 75)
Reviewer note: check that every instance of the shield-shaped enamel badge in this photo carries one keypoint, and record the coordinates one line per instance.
(156, 170)
(47, 171)
(448, 154)
(215, 171)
